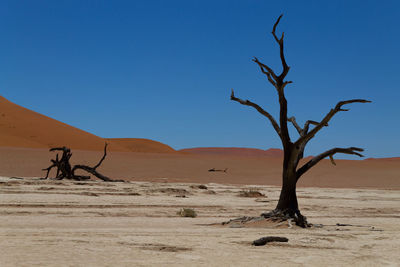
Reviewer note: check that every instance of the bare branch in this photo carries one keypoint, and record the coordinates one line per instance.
(280, 84)
(286, 83)
(259, 109)
(282, 55)
(302, 131)
(55, 163)
(298, 128)
(307, 125)
(104, 156)
(274, 28)
(332, 160)
(267, 71)
(329, 153)
(94, 172)
(327, 118)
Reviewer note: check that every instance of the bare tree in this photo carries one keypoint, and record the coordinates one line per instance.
(294, 150)
(65, 170)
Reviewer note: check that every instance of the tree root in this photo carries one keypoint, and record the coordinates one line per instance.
(289, 216)
(281, 217)
(244, 219)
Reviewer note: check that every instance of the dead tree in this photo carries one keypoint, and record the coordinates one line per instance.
(63, 166)
(66, 171)
(287, 206)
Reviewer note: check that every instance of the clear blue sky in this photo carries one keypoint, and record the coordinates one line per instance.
(163, 69)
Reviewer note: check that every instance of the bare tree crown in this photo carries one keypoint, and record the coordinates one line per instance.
(307, 132)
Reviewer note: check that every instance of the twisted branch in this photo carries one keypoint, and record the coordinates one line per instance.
(259, 109)
(329, 153)
(298, 128)
(104, 156)
(280, 42)
(272, 78)
(303, 131)
(326, 119)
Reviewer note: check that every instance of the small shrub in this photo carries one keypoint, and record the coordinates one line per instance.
(201, 186)
(187, 213)
(250, 193)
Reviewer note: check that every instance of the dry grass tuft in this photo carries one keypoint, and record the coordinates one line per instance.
(184, 212)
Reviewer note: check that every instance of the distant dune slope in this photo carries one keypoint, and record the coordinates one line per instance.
(140, 145)
(235, 151)
(385, 159)
(21, 127)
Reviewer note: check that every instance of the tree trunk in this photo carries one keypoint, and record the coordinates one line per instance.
(288, 200)
(287, 203)
(288, 207)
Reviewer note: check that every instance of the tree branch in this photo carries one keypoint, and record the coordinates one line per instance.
(307, 125)
(329, 153)
(259, 109)
(104, 156)
(280, 86)
(302, 131)
(282, 55)
(298, 128)
(274, 28)
(326, 119)
(272, 78)
(93, 170)
(55, 164)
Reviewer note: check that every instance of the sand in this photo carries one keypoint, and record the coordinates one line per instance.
(140, 145)
(24, 128)
(235, 151)
(161, 167)
(65, 223)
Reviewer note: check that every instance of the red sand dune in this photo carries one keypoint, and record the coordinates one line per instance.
(234, 151)
(21, 127)
(385, 159)
(140, 145)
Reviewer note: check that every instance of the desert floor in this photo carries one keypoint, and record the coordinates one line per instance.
(66, 223)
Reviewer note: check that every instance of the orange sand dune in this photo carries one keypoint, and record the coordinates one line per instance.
(385, 159)
(140, 145)
(21, 127)
(234, 151)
